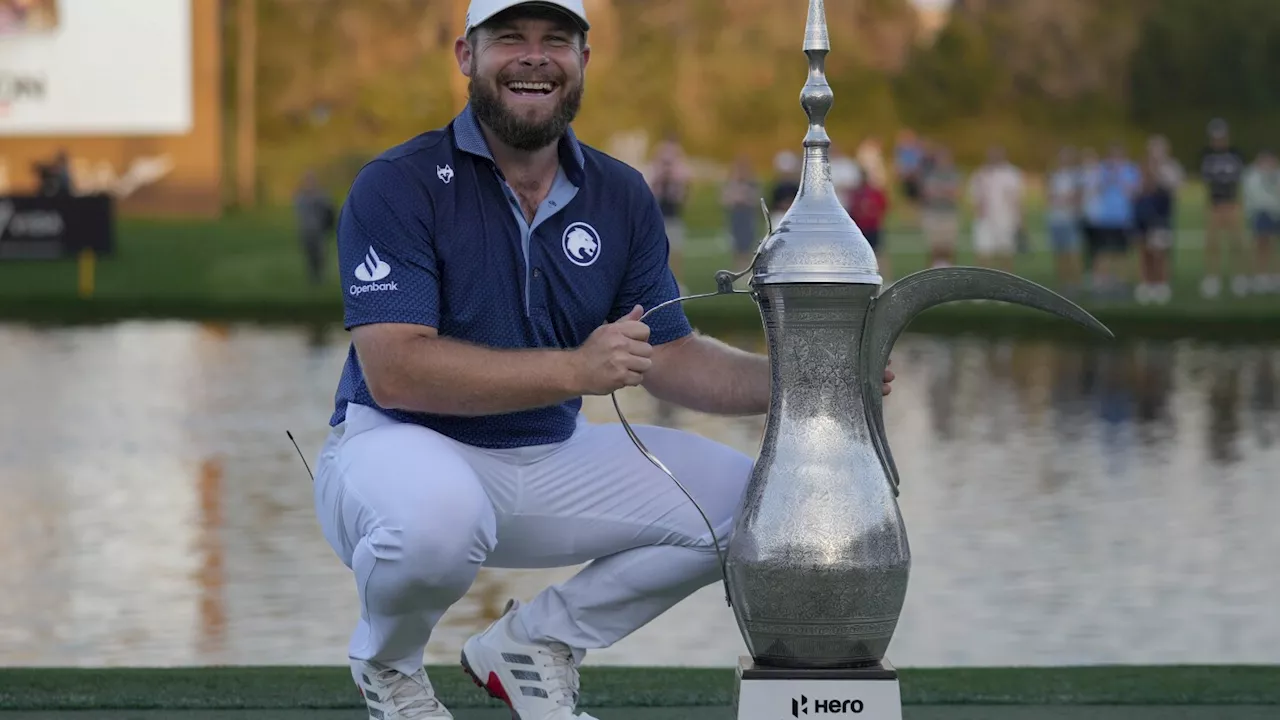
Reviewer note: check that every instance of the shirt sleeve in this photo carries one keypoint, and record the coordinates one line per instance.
(386, 250)
(649, 281)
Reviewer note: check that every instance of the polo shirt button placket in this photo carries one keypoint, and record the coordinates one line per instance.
(537, 293)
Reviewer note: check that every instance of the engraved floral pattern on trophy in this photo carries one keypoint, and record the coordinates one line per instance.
(820, 559)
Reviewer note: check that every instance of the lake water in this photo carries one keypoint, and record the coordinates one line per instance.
(1066, 505)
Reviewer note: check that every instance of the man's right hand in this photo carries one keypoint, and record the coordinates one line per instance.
(617, 355)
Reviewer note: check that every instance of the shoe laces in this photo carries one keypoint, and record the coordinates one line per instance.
(564, 673)
(410, 695)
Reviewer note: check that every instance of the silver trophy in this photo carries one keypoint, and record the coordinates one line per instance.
(816, 570)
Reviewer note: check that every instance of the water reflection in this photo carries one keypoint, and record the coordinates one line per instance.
(1066, 504)
(209, 577)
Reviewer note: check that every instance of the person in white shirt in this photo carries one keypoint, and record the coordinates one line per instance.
(870, 159)
(1262, 207)
(996, 191)
(845, 175)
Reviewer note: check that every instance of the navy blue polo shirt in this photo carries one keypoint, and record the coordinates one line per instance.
(431, 234)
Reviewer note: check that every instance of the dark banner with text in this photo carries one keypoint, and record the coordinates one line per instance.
(53, 228)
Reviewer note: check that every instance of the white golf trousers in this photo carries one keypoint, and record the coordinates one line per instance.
(415, 515)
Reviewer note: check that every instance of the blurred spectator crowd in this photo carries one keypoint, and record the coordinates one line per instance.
(1110, 222)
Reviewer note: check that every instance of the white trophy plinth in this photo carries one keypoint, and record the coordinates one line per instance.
(772, 693)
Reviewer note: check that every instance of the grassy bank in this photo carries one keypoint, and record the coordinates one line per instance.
(611, 687)
(249, 267)
(911, 712)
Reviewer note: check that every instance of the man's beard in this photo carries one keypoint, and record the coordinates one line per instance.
(515, 131)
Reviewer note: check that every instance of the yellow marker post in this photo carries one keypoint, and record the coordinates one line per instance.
(88, 271)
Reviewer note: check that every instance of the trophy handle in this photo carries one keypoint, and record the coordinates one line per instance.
(726, 278)
(902, 301)
(724, 286)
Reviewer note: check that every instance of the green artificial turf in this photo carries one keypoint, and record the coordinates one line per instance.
(926, 712)
(266, 688)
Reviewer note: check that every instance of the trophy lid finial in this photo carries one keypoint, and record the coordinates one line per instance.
(817, 96)
(815, 29)
(816, 241)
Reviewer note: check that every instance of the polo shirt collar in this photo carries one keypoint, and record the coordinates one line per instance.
(470, 139)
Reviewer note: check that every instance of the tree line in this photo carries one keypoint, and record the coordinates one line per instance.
(1040, 72)
(340, 80)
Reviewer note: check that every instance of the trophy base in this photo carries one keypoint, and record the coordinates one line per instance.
(774, 693)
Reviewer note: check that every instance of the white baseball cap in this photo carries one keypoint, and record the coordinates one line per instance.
(480, 11)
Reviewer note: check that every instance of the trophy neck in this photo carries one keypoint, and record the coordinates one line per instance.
(814, 333)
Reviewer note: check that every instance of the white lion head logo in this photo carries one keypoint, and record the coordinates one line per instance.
(581, 244)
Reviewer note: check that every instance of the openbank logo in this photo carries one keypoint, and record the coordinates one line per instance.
(802, 707)
(371, 271)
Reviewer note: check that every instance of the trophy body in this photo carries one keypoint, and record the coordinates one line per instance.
(816, 570)
(819, 559)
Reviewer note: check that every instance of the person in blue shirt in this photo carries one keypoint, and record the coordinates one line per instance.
(909, 162)
(494, 272)
(1111, 187)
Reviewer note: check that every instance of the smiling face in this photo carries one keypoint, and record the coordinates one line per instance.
(527, 68)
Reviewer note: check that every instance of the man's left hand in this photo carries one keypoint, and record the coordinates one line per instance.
(888, 378)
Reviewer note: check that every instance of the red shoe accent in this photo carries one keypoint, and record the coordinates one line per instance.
(493, 687)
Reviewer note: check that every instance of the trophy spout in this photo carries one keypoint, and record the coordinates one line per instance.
(904, 300)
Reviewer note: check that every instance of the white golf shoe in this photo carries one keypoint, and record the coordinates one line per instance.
(392, 695)
(537, 681)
